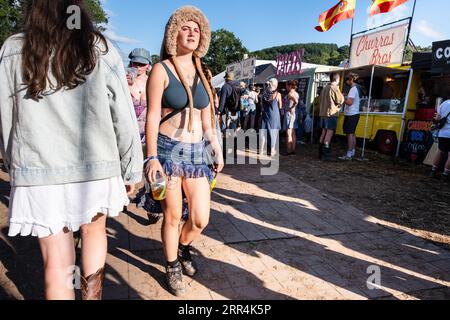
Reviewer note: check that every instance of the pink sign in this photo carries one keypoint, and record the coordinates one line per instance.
(290, 63)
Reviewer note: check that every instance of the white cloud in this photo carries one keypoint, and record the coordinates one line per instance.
(427, 30)
(112, 35)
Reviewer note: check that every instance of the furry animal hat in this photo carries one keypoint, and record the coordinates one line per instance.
(180, 17)
(169, 51)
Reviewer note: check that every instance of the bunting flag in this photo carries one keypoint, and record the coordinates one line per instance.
(345, 9)
(384, 6)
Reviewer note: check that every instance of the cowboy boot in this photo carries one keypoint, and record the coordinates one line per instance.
(92, 286)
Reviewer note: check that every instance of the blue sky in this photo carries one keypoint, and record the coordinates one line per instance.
(266, 23)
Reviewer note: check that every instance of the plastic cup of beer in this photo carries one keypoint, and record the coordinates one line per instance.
(159, 187)
(133, 73)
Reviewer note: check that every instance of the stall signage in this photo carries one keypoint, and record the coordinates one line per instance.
(381, 48)
(441, 55)
(290, 63)
(243, 70)
(303, 86)
(419, 140)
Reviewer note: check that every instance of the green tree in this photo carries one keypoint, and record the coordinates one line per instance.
(11, 16)
(98, 14)
(225, 49)
(318, 53)
(410, 50)
(10, 13)
(155, 58)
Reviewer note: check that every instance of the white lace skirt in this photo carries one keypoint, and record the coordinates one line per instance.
(47, 210)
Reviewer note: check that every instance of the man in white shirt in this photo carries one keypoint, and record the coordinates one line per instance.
(352, 115)
(443, 112)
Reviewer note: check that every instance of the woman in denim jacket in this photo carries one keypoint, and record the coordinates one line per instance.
(69, 139)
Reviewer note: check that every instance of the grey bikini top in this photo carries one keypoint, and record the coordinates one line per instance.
(175, 96)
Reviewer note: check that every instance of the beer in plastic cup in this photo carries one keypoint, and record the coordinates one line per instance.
(159, 187)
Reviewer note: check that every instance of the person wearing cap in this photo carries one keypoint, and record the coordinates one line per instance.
(140, 62)
(181, 118)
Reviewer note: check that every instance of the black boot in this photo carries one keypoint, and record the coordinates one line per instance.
(321, 145)
(326, 153)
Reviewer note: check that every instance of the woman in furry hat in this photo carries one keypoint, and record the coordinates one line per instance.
(180, 123)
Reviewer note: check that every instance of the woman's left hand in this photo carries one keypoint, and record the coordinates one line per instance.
(218, 159)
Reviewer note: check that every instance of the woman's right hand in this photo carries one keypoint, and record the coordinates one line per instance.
(151, 170)
(129, 79)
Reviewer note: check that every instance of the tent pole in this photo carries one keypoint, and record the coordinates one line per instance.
(367, 113)
(405, 110)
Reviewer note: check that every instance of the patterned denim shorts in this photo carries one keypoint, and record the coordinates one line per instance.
(184, 160)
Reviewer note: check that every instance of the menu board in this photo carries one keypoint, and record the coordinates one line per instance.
(419, 140)
(303, 86)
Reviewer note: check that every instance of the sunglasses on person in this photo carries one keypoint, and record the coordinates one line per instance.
(138, 65)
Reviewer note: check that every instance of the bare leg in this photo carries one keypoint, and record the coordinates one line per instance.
(198, 195)
(58, 253)
(328, 136)
(262, 140)
(349, 142)
(274, 135)
(437, 159)
(294, 141)
(447, 164)
(322, 137)
(173, 210)
(94, 245)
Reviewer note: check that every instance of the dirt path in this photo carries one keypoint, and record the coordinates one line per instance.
(398, 192)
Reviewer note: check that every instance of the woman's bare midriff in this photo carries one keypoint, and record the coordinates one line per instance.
(176, 128)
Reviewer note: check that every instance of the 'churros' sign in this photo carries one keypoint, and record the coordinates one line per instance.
(382, 48)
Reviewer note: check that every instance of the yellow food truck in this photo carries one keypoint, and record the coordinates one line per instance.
(390, 102)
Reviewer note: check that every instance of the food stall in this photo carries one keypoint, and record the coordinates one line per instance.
(389, 104)
(433, 71)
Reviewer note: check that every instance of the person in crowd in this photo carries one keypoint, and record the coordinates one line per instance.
(352, 115)
(227, 103)
(443, 112)
(245, 105)
(301, 117)
(271, 122)
(180, 119)
(69, 140)
(258, 115)
(140, 61)
(209, 76)
(317, 130)
(290, 111)
(284, 98)
(331, 100)
(252, 101)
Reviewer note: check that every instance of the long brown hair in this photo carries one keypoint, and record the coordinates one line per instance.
(49, 45)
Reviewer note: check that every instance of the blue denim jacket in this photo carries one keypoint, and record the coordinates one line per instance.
(85, 134)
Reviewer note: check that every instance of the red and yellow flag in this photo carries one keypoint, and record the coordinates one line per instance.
(384, 6)
(345, 9)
